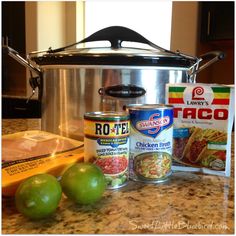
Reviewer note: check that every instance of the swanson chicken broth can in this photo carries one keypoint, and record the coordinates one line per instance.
(151, 141)
(106, 144)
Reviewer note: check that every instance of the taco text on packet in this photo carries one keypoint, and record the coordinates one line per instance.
(203, 120)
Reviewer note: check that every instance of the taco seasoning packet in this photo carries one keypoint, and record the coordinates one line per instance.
(203, 120)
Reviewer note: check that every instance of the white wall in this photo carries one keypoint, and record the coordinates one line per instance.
(152, 19)
(58, 23)
(51, 24)
(80, 20)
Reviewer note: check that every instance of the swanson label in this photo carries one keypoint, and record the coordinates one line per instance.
(151, 123)
(151, 140)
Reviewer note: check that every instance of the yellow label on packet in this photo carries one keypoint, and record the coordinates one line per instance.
(14, 174)
(16, 171)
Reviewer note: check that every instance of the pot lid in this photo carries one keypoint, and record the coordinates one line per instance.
(116, 54)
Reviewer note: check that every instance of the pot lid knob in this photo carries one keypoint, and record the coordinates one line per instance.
(116, 35)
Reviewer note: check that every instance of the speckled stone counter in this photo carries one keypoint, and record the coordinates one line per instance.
(187, 204)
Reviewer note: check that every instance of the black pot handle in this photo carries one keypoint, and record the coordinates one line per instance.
(207, 59)
(218, 55)
(116, 35)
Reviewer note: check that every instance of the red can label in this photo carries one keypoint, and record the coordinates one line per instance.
(106, 144)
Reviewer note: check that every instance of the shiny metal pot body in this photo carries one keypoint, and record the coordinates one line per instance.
(70, 91)
(72, 81)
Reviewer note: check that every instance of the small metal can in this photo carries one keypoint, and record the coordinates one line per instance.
(106, 143)
(151, 142)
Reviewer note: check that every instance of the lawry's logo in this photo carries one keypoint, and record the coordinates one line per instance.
(153, 124)
(197, 93)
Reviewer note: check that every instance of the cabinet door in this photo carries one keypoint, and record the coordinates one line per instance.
(20, 108)
(13, 34)
(217, 20)
(13, 25)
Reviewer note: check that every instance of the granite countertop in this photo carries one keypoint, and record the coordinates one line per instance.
(187, 204)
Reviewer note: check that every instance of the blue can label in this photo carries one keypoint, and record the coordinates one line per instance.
(151, 123)
(151, 142)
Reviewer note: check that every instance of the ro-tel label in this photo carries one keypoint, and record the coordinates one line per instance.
(106, 144)
(107, 133)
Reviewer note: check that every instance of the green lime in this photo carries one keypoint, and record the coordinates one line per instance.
(83, 183)
(38, 196)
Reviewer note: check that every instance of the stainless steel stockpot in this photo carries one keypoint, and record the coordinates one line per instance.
(73, 81)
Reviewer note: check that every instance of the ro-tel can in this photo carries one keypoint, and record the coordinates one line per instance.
(106, 143)
(151, 141)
